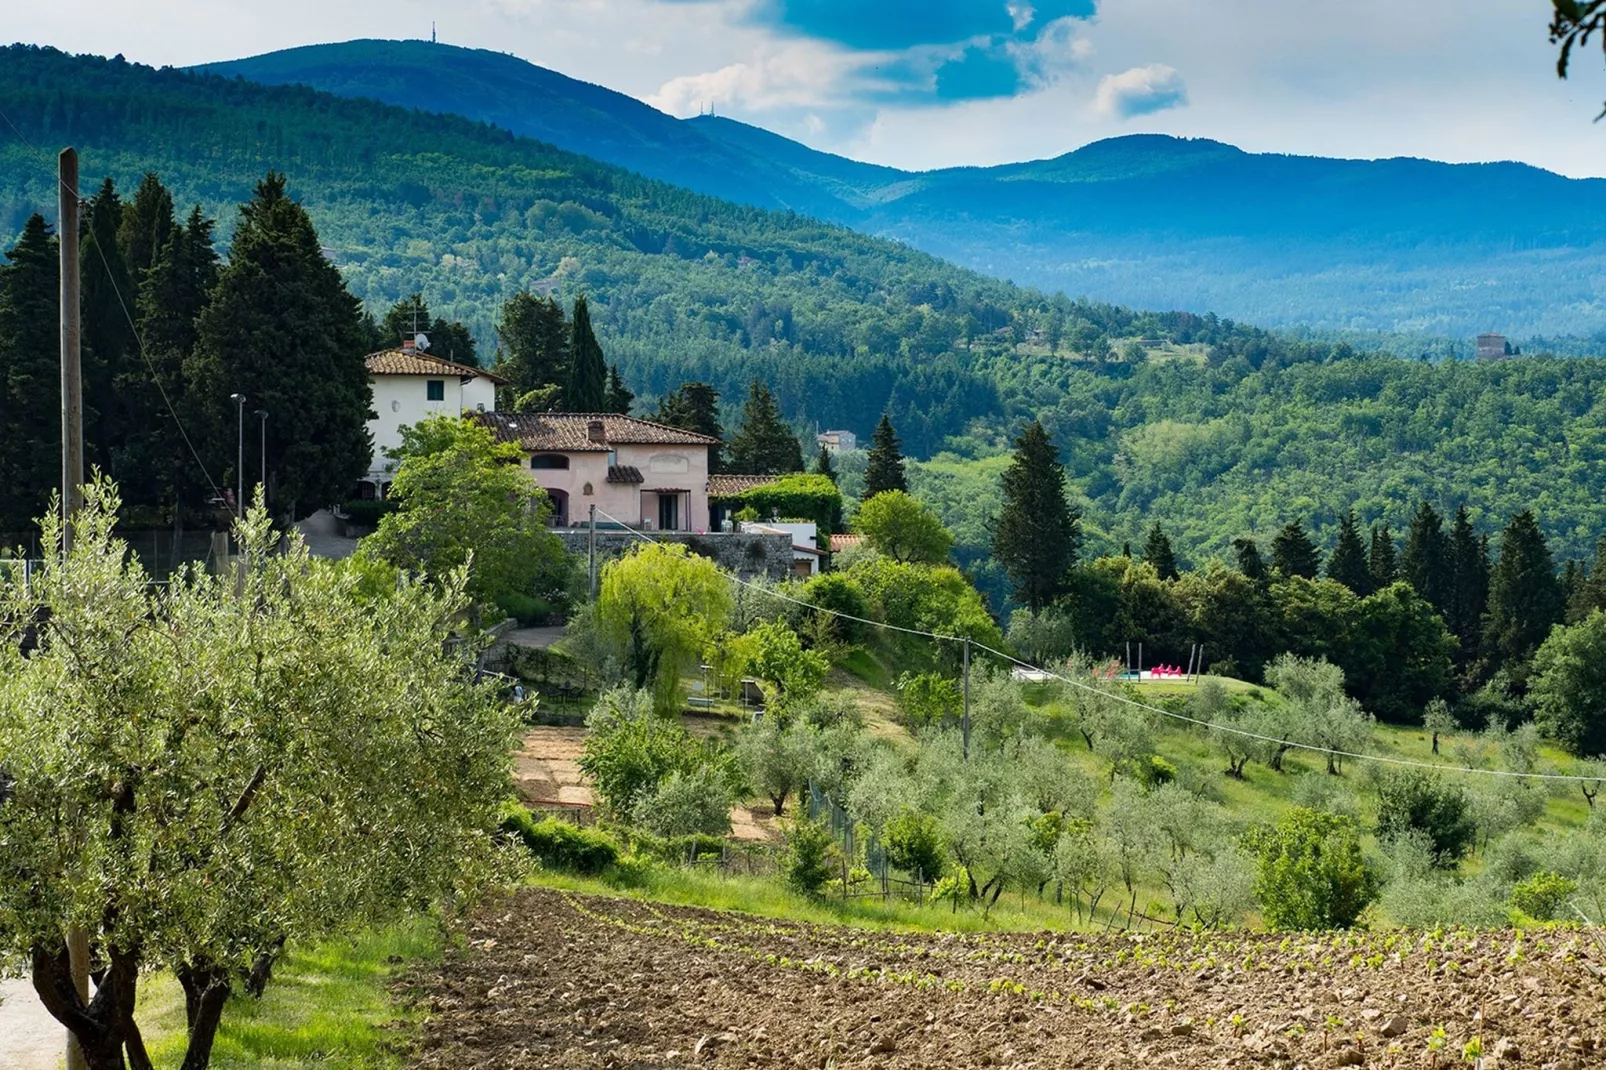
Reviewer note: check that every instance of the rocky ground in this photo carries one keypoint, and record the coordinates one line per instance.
(552, 979)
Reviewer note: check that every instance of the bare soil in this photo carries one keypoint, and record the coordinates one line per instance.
(555, 979)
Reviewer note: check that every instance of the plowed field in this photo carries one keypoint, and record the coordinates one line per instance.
(548, 979)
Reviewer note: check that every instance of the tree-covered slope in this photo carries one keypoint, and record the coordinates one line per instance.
(1396, 245)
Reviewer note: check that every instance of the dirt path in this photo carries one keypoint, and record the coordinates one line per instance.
(30, 1039)
(549, 979)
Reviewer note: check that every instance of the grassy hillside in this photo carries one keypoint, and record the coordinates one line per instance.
(1393, 245)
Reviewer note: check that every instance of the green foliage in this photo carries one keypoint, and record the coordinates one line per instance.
(1293, 553)
(1310, 873)
(1037, 533)
(1349, 563)
(811, 858)
(630, 749)
(30, 376)
(694, 802)
(560, 845)
(458, 501)
(931, 599)
(777, 658)
(659, 606)
(778, 760)
(763, 445)
(903, 529)
(914, 844)
(929, 698)
(837, 593)
(883, 470)
(368, 512)
(1525, 599)
(1414, 800)
(526, 609)
(1543, 895)
(1569, 686)
(694, 407)
(585, 388)
(1158, 555)
(813, 497)
(411, 316)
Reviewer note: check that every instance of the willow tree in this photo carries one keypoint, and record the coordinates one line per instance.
(201, 775)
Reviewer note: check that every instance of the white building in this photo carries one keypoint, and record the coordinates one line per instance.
(410, 384)
(806, 553)
(838, 440)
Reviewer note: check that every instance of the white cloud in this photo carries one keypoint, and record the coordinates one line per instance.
(1140, 91)
(795, 74)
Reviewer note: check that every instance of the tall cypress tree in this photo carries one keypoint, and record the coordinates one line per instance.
(1293, 554)
(534, 338)
(107, 300)
(1158, 553)
(1250, 563)
(1469, 587)
(1349, 564)
(1037, 534)
(764, 445)
(30, 378)
(883, 467)
(283, 330)
(148, 221)
(1381, 561)
(694, 407)
(823, 465)
(587, 386)
(1425, 562)
(1525, 599)
(617, 398)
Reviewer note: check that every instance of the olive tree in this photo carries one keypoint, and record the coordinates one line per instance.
(203, 773)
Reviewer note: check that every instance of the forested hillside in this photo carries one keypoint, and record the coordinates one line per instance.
(1403, 245)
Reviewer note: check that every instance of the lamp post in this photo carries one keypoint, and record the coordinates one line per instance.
(262, 414)
(239, 456)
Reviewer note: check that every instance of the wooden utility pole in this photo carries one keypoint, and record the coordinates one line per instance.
(72, 475)
(965, 724)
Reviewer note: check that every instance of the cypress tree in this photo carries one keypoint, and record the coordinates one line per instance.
(283, 330)
(1381, 561)
(883, 468)
(1425, 562)
(587, 386)
(764, 445)
(107, 301)
(1469, 587)
(534, 340)
(1157, 552)
(148, 221)
(823, 465)
(30, 378)
(1250, 563)
(1525, 599)
(1590, 592)
(1349, 564)
(694, 407)
(618, 397)
(1037, 533)
(1293, 554)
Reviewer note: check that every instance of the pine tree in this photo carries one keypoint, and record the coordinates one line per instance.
(883, 469)
(764, 445)
(1037, 533)
(1250, 563)
(694, 407)
(534, 340)
(107, 300)
(30, 379)
(823, 465)
(1157, 552)
(1293, 554)
(1590, 592)
(148, 221)
(1381, 562)
(1349, 565)
(448, 340)
(1468, 589)
(1425, 562)
(617, 398)
(587, 385)
(1525, 600)
(283, 330)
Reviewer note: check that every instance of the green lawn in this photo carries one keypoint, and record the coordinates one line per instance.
(327, 1006)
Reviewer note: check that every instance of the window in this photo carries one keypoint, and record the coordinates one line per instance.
(435, 389)
(549, 460)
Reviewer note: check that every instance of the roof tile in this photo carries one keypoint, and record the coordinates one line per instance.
(412, 362)
(570, 432)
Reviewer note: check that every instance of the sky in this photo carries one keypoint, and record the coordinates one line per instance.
(936, 83)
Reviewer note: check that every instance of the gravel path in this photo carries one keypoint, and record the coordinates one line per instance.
(30, 1039)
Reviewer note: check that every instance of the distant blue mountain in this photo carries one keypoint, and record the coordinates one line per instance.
(1146, 220)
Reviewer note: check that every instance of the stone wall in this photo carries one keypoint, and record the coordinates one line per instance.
(748, 556)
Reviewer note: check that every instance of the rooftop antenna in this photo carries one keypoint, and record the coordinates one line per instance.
(431, 31)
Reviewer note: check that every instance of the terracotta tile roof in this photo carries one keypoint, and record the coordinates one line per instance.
(412, 362)
(842, 542)
(625, 473)
(728, 486)
(570, 432)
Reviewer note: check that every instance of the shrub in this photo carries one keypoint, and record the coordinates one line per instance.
(367, 512)
(810, 858)
(1309, 871)
(560, 845)
(526, 609)
(1153, 771)
(1542, 896)
(686, 803)
(928, 698)
(837, 593)
(630, 749)
(915, 845)
(1411, 799)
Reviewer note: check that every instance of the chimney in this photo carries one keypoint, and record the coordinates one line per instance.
(407, 345)
(597, 432)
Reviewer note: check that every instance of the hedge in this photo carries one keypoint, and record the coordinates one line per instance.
(560, 845)
(809, 497)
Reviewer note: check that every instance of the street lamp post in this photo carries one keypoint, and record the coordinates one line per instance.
(239, 456)
(263, 415)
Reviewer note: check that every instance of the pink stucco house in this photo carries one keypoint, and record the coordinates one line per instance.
(637, 472)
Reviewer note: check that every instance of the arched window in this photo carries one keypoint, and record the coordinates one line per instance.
(549, 460)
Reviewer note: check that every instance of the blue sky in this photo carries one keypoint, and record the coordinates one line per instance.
(928, 83)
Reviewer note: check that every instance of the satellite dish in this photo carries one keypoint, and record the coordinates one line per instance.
(421, 342)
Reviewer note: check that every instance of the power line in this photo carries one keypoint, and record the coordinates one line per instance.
(122, 303)
(1128, 701)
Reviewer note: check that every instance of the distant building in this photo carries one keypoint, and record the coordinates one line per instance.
(409, 385)
(839, 440)
(1493, 347)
